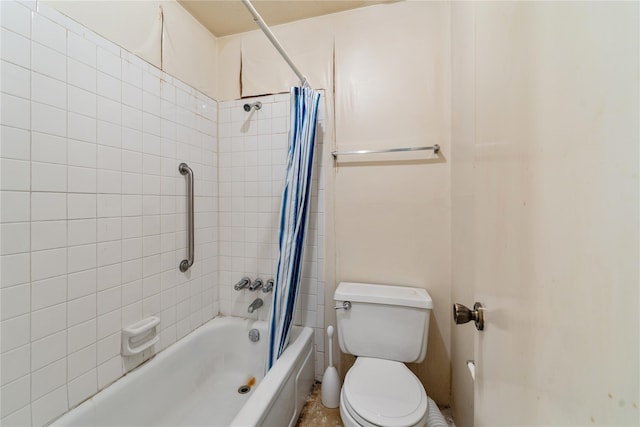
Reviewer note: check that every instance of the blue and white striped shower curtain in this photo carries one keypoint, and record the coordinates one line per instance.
(293, 217)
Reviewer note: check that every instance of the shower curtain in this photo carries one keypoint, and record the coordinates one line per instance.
(293, 217)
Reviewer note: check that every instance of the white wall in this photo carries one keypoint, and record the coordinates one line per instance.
(387, 221)
(187, 52)
(546, 208)
(93, 209)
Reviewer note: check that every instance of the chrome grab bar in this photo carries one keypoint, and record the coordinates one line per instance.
(186, 170)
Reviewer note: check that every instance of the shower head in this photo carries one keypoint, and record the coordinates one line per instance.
(256, 105)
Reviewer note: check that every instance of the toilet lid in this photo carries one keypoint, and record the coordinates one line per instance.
(385, 393)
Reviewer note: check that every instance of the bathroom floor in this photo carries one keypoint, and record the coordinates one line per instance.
(314, 414)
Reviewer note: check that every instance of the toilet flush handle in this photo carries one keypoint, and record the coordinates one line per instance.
(346, 305)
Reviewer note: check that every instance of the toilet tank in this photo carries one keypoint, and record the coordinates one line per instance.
(385, 322)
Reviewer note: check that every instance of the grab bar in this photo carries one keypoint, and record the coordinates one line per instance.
(435, 148)
(186, 170)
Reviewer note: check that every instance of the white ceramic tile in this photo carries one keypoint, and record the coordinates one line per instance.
(82, 283)
(81, 206)
(131, 117)
(15, 364)
(15, 48)
(109, 323)
(132, 140)
(109, 229)
(109, 158)
(108, 348)
(109, 277)
(109, 371)
(14, 206)
(15, 395)
(15, 112)
(50, 406)
(15, 238)
(48, 378)
(109, 134)
(48, 148)
(15, 80)
(109, 205)
(81, 310)
(16, 332)
(82, 335)
(109, 110)
(48, 292)
(48, 235)
(14, 269)
(15, 301)
(82, 101)
(109, 300)
(83, 387)
(131, 249)
(48, 119)
(48, 33)
(81, 49)
(81, 258)
(14, 175)
(48, 91)
(50, 263)
(48, 321)
(48, 61)
(14, 143)
(109, 63)
(109, 181)
(109, 253)
(131, 74)
(151, 144)
(48, 206)
(82, 128)
(82, 231)
(81, 153)
(48, 177)
(132, 96)
(81, 361)
(150, 123)
(15, 17)
(82, 75)
(48, 349)
(82, 180)
(109, 86)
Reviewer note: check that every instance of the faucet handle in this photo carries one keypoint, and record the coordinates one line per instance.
(243, 283)
(257, 284)
(268, 287)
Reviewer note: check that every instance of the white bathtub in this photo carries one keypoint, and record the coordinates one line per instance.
(196, 380)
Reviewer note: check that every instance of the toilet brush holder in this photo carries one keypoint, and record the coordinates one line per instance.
(330, 392)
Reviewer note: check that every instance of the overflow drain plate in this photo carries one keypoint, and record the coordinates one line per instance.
(244, 389)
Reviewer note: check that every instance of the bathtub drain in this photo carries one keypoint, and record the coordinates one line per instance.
(244, 389)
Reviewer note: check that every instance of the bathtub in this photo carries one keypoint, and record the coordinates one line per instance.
(196, 382)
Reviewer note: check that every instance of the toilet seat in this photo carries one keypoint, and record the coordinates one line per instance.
(378, 392)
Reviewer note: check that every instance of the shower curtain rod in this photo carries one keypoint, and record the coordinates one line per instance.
(272, 38)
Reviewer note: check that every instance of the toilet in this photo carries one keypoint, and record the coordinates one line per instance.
(385, 327)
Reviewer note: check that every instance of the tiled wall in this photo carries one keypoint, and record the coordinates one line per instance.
(93, 209)
(252, 165)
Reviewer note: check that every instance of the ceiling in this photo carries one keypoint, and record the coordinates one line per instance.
(226, 17)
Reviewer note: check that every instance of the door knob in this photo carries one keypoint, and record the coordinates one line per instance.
(462, 314)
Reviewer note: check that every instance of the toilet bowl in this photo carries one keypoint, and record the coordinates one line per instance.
(385, 327)
(378, 392)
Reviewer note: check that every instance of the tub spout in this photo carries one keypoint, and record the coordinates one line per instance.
(257, 303)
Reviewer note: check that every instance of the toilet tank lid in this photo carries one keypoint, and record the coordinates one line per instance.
(383, 294)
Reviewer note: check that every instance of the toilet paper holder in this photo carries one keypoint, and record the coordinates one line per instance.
(462, 314)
